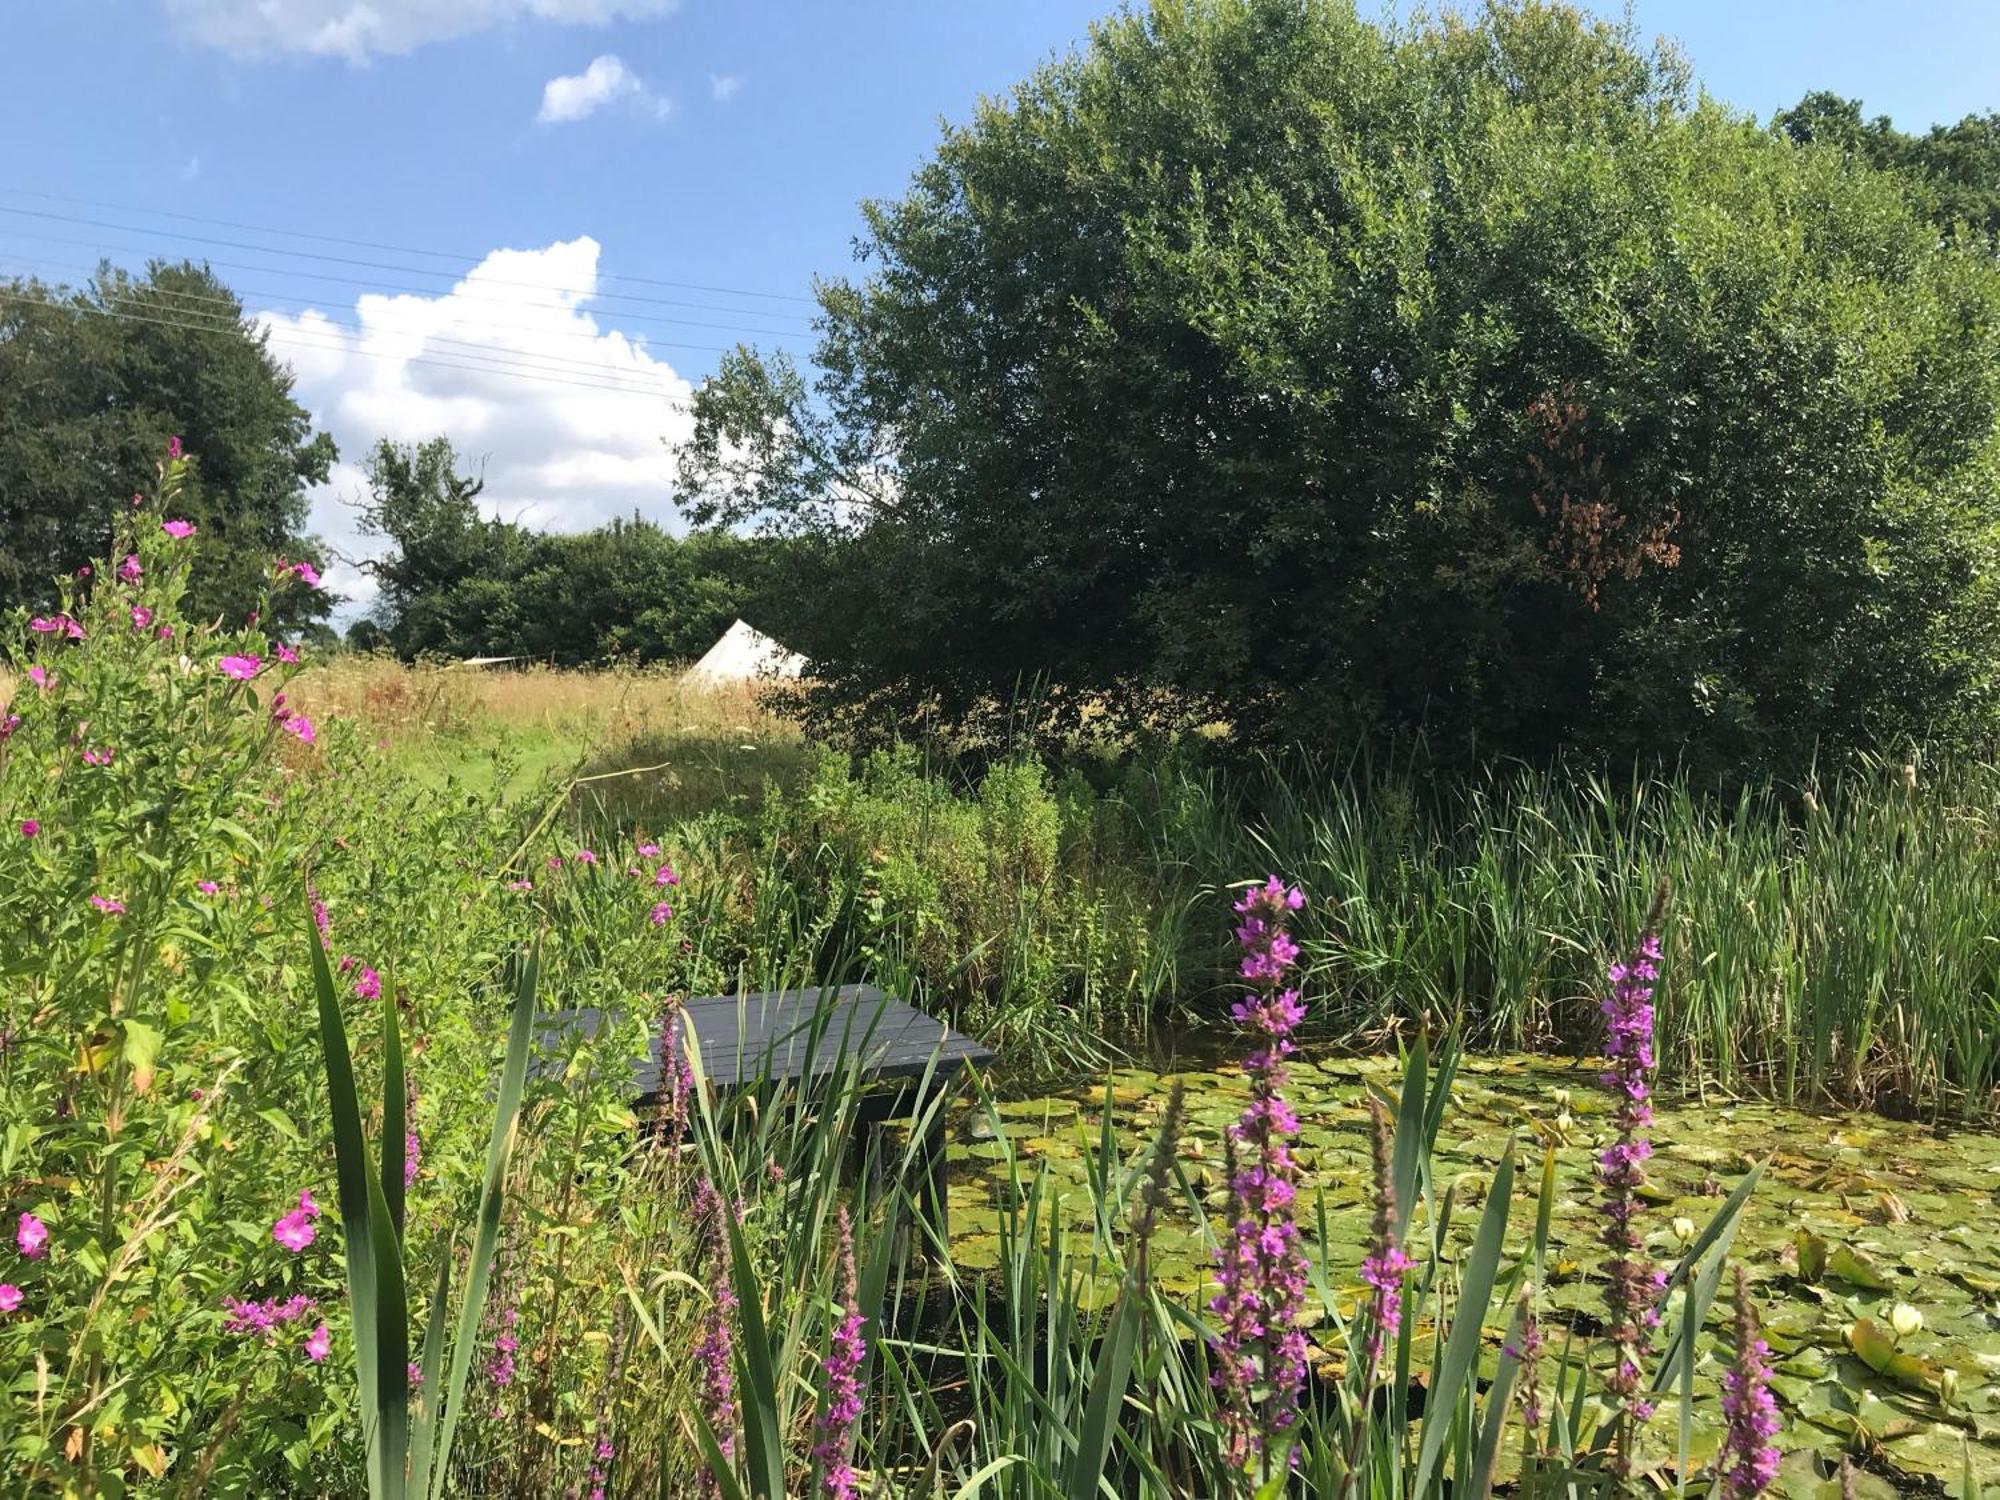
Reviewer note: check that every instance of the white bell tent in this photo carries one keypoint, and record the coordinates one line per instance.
(745, 654)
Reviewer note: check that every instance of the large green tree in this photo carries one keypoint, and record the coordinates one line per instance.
(1954, 168)
(94, 383)
(1258, 363)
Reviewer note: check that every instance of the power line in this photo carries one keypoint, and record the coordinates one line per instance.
(633, 386)
(334, 239)
(349, 260)
(307, 304)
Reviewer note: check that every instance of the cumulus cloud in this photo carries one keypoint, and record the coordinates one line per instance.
(724, 86)
(360, 29)
(570, 422)
(577, 96)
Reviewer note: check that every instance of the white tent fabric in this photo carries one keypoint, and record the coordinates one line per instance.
(743, 655)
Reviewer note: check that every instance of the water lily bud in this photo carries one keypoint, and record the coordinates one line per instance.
(1947, 1385)
(1561, 1096)
(1683, 1229)
(1905, 1319)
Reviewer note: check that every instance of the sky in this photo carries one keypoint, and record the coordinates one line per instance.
(540, 222)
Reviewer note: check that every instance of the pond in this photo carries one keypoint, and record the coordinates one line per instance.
(1881, 1211)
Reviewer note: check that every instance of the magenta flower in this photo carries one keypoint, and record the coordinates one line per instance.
(660, 914)
(207, 887)
(287, 655)
(173, 447)
(369, 985)
(666, 877)
(713, 1356)
(9, 722)
(42, 625)
(1632, 1284)
(165, 632)
(180, 531)
(295, 1230)
(130, 570)
(111, 906)
(840, 1409)
(240, 668)
(142, 617)
(520, 885)
(649, 851)
(100, 757)
(1261, 1269)
(299, 725)
(10, 1296)
(32, 1236)
(1386, 1264)
(30, 828)
(264, 1317)
(39, 676)
(319, 1344)
(305, 572)
(1749, 1413)
(585, 857)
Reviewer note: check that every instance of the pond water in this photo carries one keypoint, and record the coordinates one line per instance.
(1897, 1212)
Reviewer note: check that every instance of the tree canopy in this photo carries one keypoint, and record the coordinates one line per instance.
(94, 383)
(1261, 364)
(458, 582)
(1956, 168)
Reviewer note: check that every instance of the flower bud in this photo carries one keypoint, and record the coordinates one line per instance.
(1683, 1229)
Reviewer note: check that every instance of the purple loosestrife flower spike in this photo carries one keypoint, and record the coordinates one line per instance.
(714, 1355)
(841, 1409)
(1386, 1264)
(1261, 1270)
(1749, 1413)
(1632, 1283)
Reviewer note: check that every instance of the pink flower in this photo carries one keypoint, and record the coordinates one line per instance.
(173, 447)
(319, 1344)
(666, 876)
(520, 885)
(9, 722)
(10, 1296)
(240, 668)
(111, 906)
(42, 625)
(369, 985)
(141, 617)
(659, 914)
(32, 1235)
(180, 531)
(39, 676)
(165, 632)
(130, 570)
(30, 828)
(300, 725)
(585, 857)
(295, 1230)
(287, 655)
(305, 572)
(649, 851)
(555, 861)
(98, 757)
(207, 887)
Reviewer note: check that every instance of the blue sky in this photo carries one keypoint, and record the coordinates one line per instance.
(720, 144)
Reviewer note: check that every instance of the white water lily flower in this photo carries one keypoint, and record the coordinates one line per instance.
(1905, 1319)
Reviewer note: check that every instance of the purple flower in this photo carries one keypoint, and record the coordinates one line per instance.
(240, 668)
(840, 1409)
(659, 914)
(180, 531)
(295, 1230)
(1261, 1269)
(142, 617)
(1632, 1283)
(665, 876)
(713, 1357)
(369, 985)
(111, 906)
(320, 918)
(207, 887)
(98, 757)
(31, 1235)
(173, 447)
(264, 1317)
(130, 569)
(1386, 1264)
(319, 1344)
(649, 851)
(1749, 1413)
(10, 1296)
(300, 726)
(287, 655)
(585, 856)
(30, 828)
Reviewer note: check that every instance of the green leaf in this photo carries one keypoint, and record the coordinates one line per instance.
(1461, 1350)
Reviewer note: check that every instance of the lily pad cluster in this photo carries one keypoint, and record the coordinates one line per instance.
(1872, 1245)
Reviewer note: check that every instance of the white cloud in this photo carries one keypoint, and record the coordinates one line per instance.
(724, 86)
(360, 29)
(576, 96)
(571, 423)
(192, 170)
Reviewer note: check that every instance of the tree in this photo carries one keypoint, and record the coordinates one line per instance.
(1955, 169)
(1260, 364)
(93, 384)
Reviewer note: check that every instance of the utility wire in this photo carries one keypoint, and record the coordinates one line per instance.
(333, 239)
(634, 386)
(348, 260)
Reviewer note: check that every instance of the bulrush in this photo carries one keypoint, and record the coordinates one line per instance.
(1261, 1271)
(1632, 1284)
